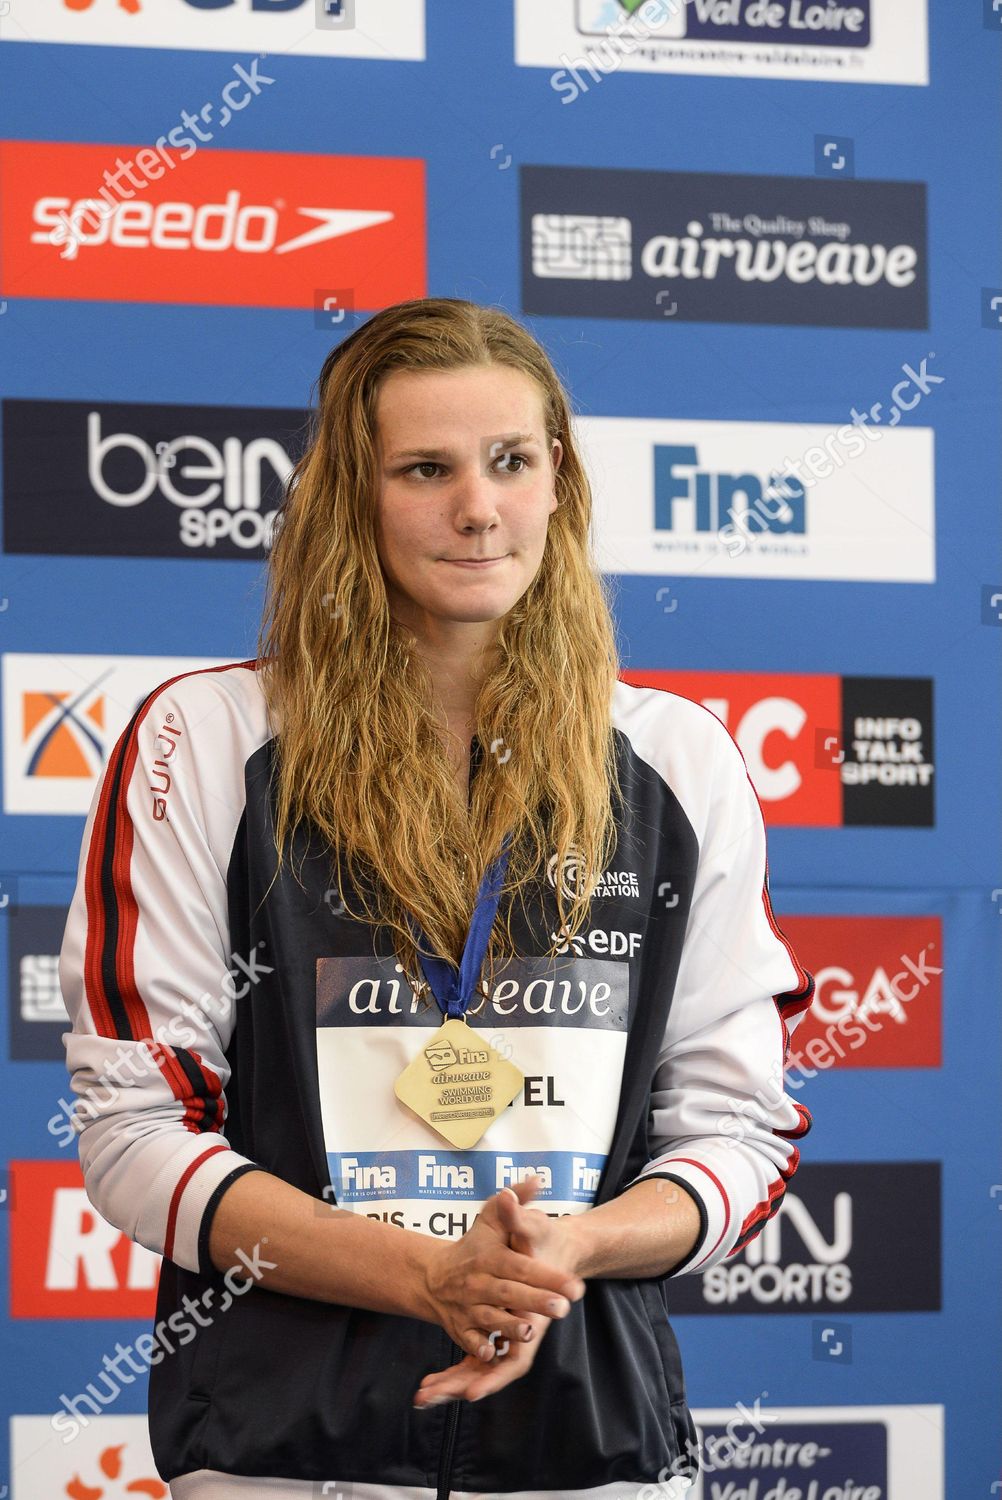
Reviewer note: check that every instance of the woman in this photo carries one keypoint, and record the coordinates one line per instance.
(468, 1140)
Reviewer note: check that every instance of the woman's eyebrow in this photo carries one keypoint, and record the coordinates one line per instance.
(441, 453)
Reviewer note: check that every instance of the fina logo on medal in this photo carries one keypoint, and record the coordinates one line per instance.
(443, 1055)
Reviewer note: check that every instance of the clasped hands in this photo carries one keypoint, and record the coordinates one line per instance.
(513, 1272)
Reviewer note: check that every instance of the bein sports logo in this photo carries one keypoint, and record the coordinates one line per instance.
(231, 472)
(823, 1276)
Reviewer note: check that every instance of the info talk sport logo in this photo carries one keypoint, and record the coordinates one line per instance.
(823, 750)
(243, 228)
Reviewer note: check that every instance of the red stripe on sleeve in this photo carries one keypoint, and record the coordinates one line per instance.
(176, 1198)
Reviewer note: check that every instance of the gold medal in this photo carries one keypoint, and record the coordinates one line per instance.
(458, 1083)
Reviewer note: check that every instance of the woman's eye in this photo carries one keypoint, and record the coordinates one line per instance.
(506, 460)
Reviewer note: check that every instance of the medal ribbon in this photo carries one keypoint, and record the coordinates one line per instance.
(454, 989)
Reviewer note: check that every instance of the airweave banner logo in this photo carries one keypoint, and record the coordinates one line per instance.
(716, 248)
(860, 41)
(823, 750)
(762, 499)
(94, 478)
(62, 716)
(38, 1015)
(819, 1453)
(243, 228)
(878, 997)
(826, 1248)
(382, 29)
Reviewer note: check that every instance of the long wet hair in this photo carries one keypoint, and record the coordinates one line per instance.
(359, 757)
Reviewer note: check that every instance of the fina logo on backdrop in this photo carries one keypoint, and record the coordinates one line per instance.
(125, 480)
(762, 499)
(701, 247)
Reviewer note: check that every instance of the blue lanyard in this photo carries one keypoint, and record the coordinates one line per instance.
(453, 990)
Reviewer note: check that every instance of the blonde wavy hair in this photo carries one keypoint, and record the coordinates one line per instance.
(359, 755)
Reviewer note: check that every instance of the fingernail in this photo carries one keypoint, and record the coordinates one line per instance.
(485, 1351)
(558, 1306)
(430, 1401)
(526, 1330)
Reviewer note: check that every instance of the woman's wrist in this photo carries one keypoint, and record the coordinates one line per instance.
(645, 1231)
(421, 1253)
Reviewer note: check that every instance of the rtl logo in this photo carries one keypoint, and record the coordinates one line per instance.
(65, 1260)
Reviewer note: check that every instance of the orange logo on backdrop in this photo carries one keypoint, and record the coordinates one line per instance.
(112, 1466)
(131, 6)
(238, 228)
(58, 752)
(65, 1260)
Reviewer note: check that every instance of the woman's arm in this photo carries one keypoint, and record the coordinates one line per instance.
(308, 1248)
(145, 972)
(646, 1231)
(625, 1237)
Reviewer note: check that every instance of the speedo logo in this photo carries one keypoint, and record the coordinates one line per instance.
(249, 228)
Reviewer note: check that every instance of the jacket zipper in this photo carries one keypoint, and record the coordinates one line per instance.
(449, 1441)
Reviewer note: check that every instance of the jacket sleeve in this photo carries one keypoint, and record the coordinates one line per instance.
(148, 980)
(721, 1123)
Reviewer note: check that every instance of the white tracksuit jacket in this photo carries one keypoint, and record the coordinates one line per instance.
(250, 1033)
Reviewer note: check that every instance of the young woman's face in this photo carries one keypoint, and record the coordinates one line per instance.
(464, 473)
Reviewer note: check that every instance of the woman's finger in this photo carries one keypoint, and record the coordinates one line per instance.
(518, 1219)
(506, 1326)
(471, 1379)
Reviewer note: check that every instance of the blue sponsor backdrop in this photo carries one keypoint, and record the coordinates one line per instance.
(486, 130)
